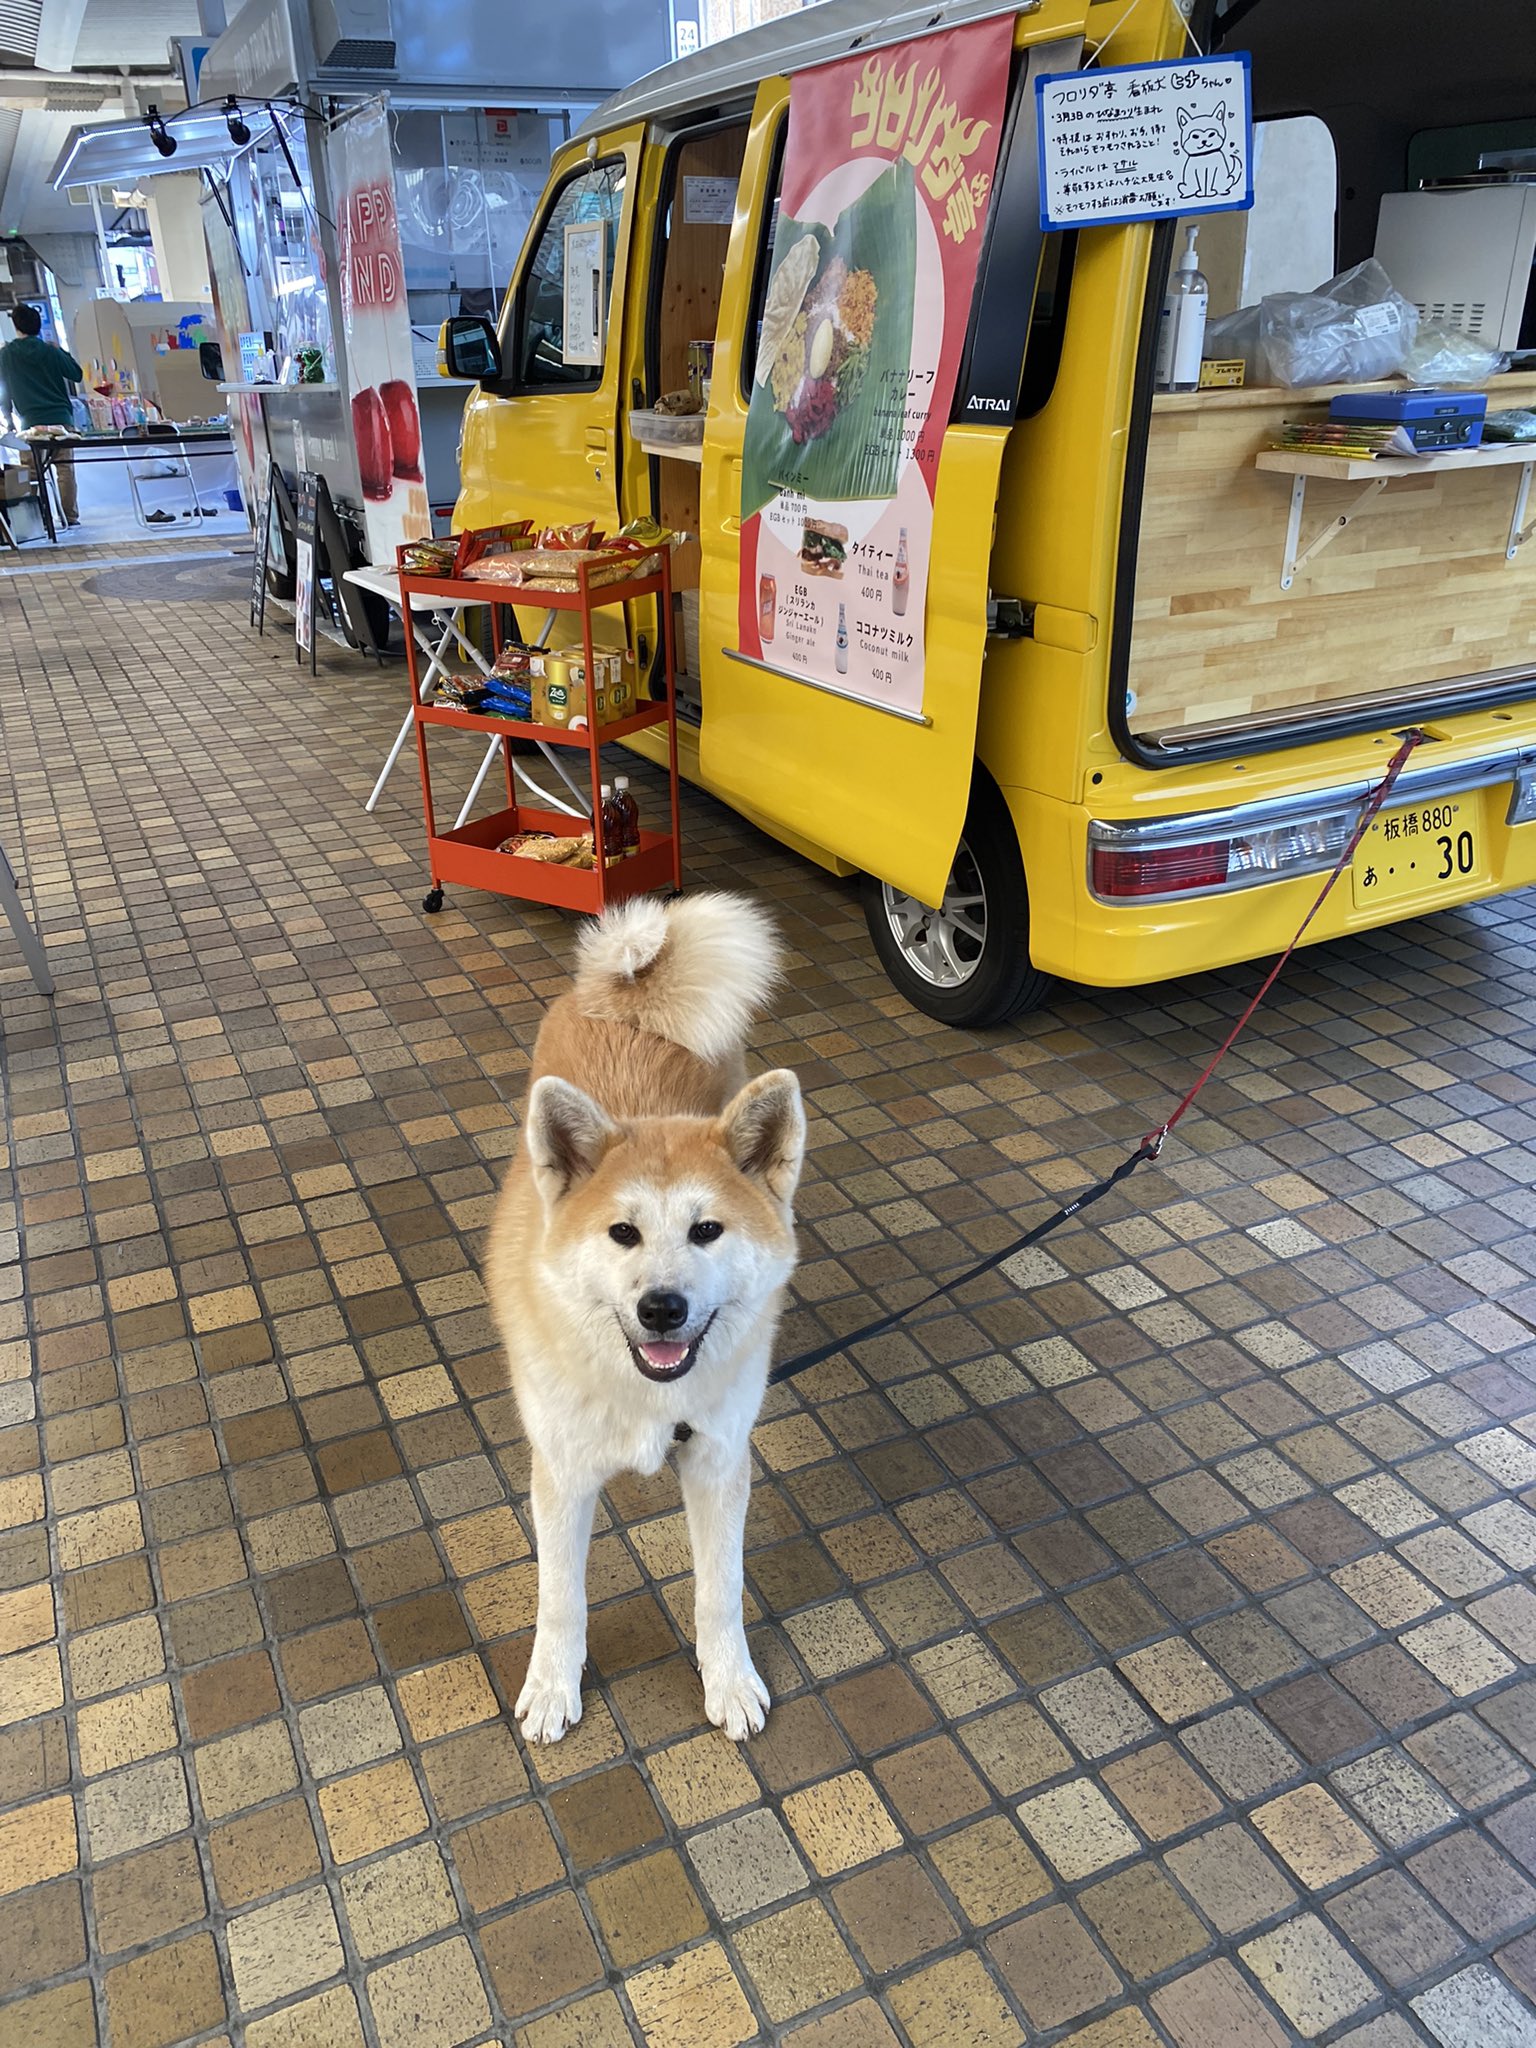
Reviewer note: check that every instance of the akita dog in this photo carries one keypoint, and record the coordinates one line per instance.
(636, 1265)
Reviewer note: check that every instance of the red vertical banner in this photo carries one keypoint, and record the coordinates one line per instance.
(888, 174)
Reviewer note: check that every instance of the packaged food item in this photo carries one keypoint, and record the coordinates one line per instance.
(429, 557)
(576, 852)
(563, 539)
(646, 532)
(460, 693)
(544, 847)
(514, 660)
(491, 543)
(507, 701)
(560, 688)
(560, 568)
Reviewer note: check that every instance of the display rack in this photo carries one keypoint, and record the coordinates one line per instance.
(1376, 472)
(469, 853)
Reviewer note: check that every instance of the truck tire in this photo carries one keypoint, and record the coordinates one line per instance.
(966, 963)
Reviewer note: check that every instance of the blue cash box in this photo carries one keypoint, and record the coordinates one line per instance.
(1430, 419)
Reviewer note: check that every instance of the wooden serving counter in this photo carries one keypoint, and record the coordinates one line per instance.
(1388, 588)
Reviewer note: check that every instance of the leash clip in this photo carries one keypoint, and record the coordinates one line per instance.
(1152, 1144)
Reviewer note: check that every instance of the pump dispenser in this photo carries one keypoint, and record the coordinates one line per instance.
(1181, 330)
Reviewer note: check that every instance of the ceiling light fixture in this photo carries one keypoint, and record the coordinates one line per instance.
(165, 143)
(239, 134)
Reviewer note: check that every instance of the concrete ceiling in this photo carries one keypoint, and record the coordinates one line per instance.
(63, 62)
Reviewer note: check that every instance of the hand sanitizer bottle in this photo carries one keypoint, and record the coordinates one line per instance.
(1181, 330)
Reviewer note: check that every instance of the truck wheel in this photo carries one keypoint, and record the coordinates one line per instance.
(967, 962)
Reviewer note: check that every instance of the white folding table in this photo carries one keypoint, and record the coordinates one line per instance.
(452, 646)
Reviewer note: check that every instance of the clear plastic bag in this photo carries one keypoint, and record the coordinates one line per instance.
(1444, 355)
(1515, 425)
(1352, 330)
(1233, 335)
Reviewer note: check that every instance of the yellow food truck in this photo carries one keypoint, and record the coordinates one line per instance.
(1164, 660)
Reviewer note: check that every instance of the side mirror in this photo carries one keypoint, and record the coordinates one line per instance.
(467, 347)
(210, 360)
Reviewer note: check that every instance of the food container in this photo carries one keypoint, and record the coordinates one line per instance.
(674, 430)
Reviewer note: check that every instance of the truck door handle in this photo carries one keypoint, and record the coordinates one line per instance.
(597, 437)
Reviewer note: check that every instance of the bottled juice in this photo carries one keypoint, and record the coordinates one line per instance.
(901, 578)
(629, 812)
(613, 828)
(842, 641)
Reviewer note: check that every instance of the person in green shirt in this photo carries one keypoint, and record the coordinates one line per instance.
(36, 378)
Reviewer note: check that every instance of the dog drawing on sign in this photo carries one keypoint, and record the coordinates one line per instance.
(1212, 166)
(636, 1265)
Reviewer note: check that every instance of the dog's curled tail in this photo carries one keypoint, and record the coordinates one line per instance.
(695, 971)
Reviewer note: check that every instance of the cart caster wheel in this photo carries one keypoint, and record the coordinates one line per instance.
(432, 902)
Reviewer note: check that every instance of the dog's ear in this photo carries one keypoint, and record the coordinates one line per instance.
(567, 1136)
(763, 1131)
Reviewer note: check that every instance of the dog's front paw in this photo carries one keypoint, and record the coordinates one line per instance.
(549, 1703)
(735, 1698)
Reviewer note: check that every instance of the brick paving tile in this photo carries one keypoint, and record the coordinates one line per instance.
(1150, 1632)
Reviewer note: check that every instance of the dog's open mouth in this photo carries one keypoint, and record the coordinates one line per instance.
(663, 1362)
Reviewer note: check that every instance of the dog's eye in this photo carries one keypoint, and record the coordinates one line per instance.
(624, 1233)
(705, 1233)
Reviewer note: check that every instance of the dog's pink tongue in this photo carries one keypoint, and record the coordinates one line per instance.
(665, 1357)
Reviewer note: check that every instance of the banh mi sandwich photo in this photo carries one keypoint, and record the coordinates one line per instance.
(823, 548)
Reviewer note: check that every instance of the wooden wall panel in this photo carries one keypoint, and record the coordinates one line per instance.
(692, 275)
(1417, 590)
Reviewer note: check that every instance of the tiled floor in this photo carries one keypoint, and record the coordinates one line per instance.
(1151, 1636)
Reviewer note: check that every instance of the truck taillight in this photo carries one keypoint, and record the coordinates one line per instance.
(1124, 871)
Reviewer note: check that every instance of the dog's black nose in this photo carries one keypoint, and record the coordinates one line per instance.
(660, 1312)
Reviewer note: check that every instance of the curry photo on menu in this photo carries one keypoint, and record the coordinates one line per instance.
(833, 358)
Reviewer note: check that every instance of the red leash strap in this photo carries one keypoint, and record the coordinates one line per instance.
(1395, 767)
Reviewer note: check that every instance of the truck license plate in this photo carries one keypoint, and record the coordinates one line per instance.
(1419, 850)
